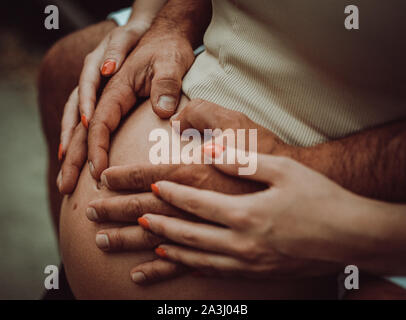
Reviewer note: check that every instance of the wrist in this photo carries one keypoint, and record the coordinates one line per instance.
(139, 25)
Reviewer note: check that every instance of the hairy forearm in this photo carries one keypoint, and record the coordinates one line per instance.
(371, 163)
(188, 18)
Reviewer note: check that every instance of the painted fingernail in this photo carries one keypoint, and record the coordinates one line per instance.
(108, 67)
(143, 223)
(91, 167)
(84, 121)
(138, 277)
(155, 189)
(213, 151)
(91, 214)
(59, 180)
(102, 241)
(104, 181)
(167, 103)
(60, 152)
(161, 252)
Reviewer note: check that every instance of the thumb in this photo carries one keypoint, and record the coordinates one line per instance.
(166, 86)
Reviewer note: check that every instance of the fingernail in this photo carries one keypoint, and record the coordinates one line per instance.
(91, 214)
(60, 152)
(167, 103)
(108, 67)
(59, 180)
(155, 189)
(91, 167)
(161, 252)
(104, 181)
(213, 150)
(143, 223)
(102, 241)
(138, 277)
(84, 121)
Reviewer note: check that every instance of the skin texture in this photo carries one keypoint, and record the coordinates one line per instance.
(104, 61)
(57, 82)
(265, 231)
(59, 75)
(94, 274)
(154, 69)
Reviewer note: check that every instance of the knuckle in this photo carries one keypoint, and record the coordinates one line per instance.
(137, 178)
(249, 250)
(114, 48)
(116, 239)
(134, 207)
(243, 218)
(188, 236)
(149, 239)
(101, 210)
(206, 264)
(153, 272)
(191, 205)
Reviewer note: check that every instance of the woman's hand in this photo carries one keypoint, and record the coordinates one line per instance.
(282, 231)
(104, 61)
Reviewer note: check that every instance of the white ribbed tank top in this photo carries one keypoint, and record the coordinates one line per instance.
(294, 68)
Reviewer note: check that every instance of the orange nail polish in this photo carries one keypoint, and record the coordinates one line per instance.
(213, 150)
(161, 253)
(60, 152)
(143, 223)
(84, 121)
(155, 189)
(108, 68)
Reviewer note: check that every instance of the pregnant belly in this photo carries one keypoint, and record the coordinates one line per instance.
(94, 274)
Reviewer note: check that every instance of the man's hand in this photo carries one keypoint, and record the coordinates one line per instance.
(136, 178)
(362, 163)
(155, 68)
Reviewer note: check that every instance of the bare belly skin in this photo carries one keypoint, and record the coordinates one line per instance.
(94, 274)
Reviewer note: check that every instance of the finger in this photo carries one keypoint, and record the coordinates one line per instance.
(70, 120)
(166, 86)
(155, 271)
(117, 99)
(209, 205)
(197, 235)
(74, 161)
(89, 83)
(126, 239)
(121, 41)
(205, 261)
(268, 168)
(128, 208)
(200, 115)
(136, 177)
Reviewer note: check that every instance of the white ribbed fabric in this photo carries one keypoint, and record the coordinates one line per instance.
(250, 65)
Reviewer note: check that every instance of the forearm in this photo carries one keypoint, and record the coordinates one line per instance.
(369, 234)
(187, 18)
(371, 163)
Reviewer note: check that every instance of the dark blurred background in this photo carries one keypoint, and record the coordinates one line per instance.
(27, 241)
